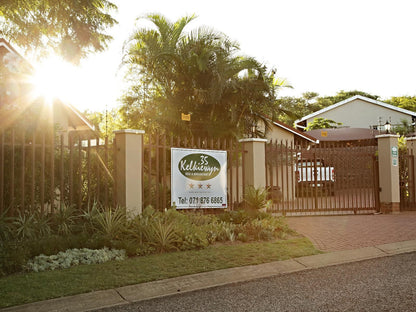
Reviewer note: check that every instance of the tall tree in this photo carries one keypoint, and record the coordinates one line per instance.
(322, 123)
(197, 73)
(293, 108)
(343, 95)
(406, 102)
(73, 28)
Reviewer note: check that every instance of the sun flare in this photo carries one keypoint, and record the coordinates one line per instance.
(86, 86)
(53, 78)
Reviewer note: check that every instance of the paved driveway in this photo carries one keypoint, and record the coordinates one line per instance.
(331, 233)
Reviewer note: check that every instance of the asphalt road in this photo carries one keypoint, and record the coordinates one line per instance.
(383, 284)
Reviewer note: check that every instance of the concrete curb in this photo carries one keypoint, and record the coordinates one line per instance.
(182, 284)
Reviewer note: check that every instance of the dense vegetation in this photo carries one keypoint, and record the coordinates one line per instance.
(200, 73)
(70, 28)
(30, 234)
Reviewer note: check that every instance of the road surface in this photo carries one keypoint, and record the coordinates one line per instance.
(382, 284)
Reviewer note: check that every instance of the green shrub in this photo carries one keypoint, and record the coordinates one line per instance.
(28, 235)
(266, 228)
(5, 227)
(224, 231)
(256, 198)
(110, 223)
(12, 257)
(235, 216)
(63, 220)
(191, 229)
(251, 231)
(169, 230)
(30, 225)
(131, 247)
(137, 230)
(52, 244)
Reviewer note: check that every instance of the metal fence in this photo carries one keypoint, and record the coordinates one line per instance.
(157, 162)
(407, 180)
(323, 179)
(42, 171)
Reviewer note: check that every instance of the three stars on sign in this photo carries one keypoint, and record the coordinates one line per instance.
(200, 186)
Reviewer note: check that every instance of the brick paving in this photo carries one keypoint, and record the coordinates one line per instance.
(333, 233)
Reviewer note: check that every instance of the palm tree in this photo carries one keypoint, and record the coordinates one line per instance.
(197, 73)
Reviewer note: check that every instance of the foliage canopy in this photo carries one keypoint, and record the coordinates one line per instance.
(73, 28)
(197, 73)
(294, 108)
(322, 123)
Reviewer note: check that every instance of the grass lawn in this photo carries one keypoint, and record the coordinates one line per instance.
(30, 287)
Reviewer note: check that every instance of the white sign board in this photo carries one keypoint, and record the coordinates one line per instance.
(199, 178)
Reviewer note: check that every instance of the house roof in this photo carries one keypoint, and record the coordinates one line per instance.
(76, 119)
(343, 134)
(296, 132)
(356, 97)
(6, 45)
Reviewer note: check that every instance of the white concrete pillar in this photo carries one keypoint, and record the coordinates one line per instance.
(129, 170)
(254, 162)
(388, 163)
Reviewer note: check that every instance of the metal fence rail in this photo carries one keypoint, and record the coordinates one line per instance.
(42, 171)
(407, 180)
(157, 162)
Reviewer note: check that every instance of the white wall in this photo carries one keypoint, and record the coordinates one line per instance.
(362, 114)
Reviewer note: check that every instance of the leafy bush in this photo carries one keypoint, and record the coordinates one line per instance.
(30, 225)
(55, 243)
(256, 198)
(190, 228)
(170, 230)
(5, 231)
(63, 220)
(12, 257)
(236, 217)
(71, 257)
(28, 235)
(110, 223)
(162, 236)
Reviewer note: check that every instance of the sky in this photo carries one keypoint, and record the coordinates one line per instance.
(322, 46)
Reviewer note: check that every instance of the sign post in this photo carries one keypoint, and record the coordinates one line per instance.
(198, 178)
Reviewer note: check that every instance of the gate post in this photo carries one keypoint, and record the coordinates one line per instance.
(254, 170)
(388, 164)
(411, 146)
(129, 169)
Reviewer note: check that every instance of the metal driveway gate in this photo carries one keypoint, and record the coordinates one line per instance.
(407, 180)
(323, 179)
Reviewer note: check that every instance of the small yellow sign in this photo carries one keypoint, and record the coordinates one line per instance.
(186, 117)
(324, 134)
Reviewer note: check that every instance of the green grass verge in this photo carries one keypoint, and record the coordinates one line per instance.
(30, 287)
